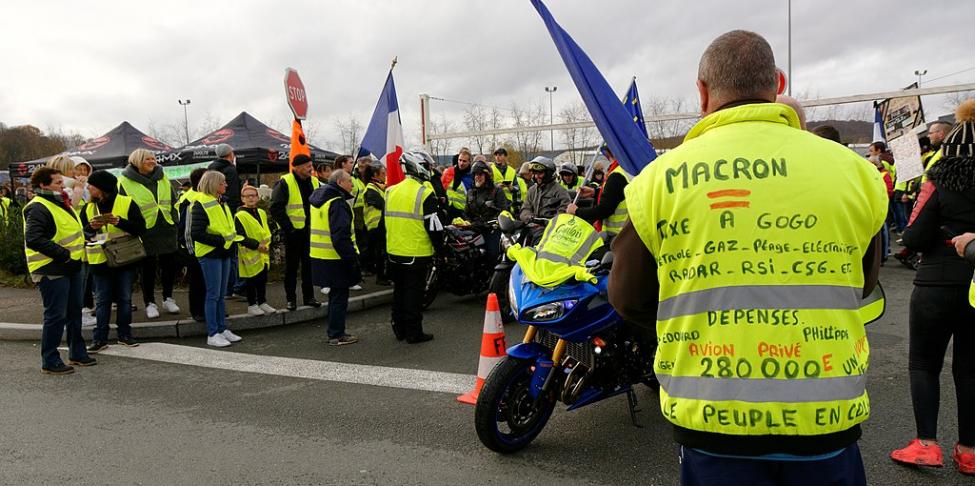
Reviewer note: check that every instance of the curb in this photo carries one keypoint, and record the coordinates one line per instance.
(188, 327)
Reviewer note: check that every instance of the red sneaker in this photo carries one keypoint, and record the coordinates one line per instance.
(918, 454)
(965, 461)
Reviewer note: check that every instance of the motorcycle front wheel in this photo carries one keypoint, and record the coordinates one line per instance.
(506, 416)
(431, 287)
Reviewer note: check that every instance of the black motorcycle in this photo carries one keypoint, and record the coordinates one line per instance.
(463, 266)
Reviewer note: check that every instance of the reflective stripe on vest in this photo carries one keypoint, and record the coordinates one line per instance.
(761, 315)
(574, 246)
(321, 244)
(508, 176)
(616, 221)
(252, 262)
(68, 234)
(358, 192)
(221, 224)
(150, 205)
(120, 208)
(372, 214)
(295, 207)
(405, 232)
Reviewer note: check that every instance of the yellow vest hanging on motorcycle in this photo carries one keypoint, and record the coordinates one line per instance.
(373, 215)
(761, 314)
(321, 232)
(561, 253)
(96, 253)
(221, 224)
(252, 262)
(406, 235)
(295, 208)
(615, 222)
(68, 234)
(150, 204)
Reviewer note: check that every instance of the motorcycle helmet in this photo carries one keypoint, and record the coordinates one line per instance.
(568, 168)
(481, 167)
(544, 165)
(413, 166)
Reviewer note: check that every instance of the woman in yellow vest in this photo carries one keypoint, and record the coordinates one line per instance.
(146, 183)
(214, 237)
(55, 247)
(110, 215)
(253, 260)
(375, 203)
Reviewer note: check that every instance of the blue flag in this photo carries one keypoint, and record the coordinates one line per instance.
(629, 144)
(632, 103)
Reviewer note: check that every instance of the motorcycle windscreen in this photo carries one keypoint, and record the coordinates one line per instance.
(582, 308)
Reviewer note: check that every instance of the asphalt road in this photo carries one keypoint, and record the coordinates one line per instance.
(132, 421)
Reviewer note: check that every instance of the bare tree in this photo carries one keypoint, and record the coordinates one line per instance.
(438, 126)
(576, 139)
(654, 107)
(952, 100)
(351, 132)
(474, 121)
(528, 143)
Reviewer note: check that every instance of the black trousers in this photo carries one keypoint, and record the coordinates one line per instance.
(408, 282)
(937, 315)
(197, 286)
(257, 288)
(364, 243)
(166, 263)
(297, 251)
(377, 251)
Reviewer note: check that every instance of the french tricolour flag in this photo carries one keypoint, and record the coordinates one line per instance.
(384, 136)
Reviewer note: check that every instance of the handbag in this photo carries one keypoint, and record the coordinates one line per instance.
(124, 250)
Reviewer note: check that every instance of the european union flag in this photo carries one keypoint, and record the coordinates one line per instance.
(629, 144)
(632, 104)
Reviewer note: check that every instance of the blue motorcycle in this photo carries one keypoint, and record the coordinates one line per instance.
(576, 350)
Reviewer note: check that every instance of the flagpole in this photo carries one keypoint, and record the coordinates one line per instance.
(355, 155)
(589, 171)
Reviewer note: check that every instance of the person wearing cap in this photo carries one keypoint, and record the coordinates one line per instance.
(290, 209)
(940, 309)
(507, 178)
(108, 216)
(145, 182)
(546, 198)
(54, 245)
(214, 238)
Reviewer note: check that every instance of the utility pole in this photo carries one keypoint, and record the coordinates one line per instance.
(186, 120)
(920, 73)
(551, 116)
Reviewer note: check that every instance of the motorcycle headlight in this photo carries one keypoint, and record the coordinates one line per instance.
(549, 312)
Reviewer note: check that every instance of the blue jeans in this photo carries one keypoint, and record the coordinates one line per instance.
(235, 284)
(113, 285)
(62, 299)
(698, 468)
(216, 271)
(338, 306)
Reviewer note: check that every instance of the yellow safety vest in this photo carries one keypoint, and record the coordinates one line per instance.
(358, 192)
(120, 208)
(572, 187)
(509, 176)
(190, 195)
(406, 235)
(457, 197)
(615, 222)
(4, 209)
(252, 262)
(971, 292)
(150, 204)
(561, 253)
(321, 232)
(221, 224)
(68, 234)
(296, 208)
(373, 215)
(760, 315)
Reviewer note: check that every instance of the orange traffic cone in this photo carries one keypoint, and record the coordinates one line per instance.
(492, 348)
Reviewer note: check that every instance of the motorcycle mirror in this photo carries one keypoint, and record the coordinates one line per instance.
(607, 261)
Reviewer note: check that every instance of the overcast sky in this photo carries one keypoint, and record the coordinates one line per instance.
(86, 66)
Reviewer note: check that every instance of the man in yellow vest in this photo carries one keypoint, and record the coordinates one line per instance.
(54, 245)
(107, 216)
(414, 233)
(754, 277)
(334, 256)
(507, 177)
(290, 209)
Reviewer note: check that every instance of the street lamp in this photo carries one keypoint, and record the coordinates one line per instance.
(186, 120)
(920, 73)
(551, 116)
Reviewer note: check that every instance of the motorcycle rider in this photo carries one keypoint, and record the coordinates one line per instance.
(569, 177)
(413, 235)
(546, 198)
(485, 201)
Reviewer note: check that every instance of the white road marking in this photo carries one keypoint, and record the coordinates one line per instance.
(311, 369)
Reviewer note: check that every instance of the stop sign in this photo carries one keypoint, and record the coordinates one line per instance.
(295, 90)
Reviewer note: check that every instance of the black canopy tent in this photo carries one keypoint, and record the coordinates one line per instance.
(108, 151)
(258, 147)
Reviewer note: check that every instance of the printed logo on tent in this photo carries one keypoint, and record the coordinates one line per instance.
(277, 135)
(156, 144)
(95, 143)
(219, 136)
